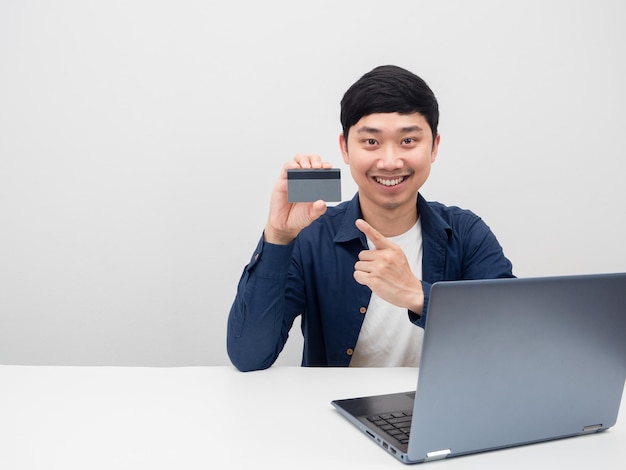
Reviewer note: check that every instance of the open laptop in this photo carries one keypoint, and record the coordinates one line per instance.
(506, 362)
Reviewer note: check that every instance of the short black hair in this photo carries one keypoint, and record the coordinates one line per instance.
(389, 89)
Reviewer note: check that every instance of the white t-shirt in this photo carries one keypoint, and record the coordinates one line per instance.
(387, 337)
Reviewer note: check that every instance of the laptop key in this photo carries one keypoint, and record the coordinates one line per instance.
(404, 419)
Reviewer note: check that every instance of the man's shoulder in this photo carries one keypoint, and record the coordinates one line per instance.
(439, 216)
(333, 217)
(447, 211)
(337, 210)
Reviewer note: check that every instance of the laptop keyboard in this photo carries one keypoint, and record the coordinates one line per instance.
(397, 425)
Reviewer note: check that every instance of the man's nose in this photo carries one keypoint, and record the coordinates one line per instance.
(388, 159)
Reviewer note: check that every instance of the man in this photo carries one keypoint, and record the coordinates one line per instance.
(360, 273)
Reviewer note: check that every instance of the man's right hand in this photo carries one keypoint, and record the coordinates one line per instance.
(287, 219)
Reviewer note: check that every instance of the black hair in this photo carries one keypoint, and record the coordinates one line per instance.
(389, 89)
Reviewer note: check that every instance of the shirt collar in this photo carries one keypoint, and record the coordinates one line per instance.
(347, 230)
(431, 222)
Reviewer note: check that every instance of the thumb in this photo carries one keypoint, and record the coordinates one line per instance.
(379, 241)
(318, 208)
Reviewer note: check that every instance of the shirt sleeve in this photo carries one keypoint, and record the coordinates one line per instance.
(483, 256)
(256, 329)
(420, 319)
(472, 252)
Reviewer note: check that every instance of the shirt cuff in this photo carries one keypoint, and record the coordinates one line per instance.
(271, 260)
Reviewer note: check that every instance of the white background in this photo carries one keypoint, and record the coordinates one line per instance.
(139, 141)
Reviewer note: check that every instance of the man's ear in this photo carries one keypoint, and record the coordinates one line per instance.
(343, 145)
(435, 151)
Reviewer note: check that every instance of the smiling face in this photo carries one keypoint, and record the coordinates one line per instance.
(390, 156)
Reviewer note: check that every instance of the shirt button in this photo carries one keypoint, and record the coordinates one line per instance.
(349, 351)
(256, 256)
(362, 310)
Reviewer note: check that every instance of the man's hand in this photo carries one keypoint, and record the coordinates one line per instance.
(386, 271)
(286, 219)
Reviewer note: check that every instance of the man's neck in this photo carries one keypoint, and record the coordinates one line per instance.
(391, 222)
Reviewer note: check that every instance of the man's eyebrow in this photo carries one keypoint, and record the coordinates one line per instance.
(408, 129)
(402, 130)
(368, 130)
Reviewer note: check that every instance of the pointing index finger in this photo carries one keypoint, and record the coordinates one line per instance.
(374, 235)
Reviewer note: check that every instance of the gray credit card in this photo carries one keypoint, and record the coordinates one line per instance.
(308, 185)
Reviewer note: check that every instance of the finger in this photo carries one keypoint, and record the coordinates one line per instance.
(302, 161)
(360, 277)
(379, 241)
(292, 165)
(318, 208)
(308, 161)
(364, 266)
(368, 255)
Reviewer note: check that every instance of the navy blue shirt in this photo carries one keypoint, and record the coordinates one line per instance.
(313, 277)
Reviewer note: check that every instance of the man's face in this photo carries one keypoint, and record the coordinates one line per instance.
(390, 156)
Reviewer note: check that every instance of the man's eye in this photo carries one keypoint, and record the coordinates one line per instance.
(371, 142)
(408, 140)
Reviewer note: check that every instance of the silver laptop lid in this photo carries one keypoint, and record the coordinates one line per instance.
(513, 361)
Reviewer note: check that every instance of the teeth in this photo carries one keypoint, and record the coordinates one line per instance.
(390, 182)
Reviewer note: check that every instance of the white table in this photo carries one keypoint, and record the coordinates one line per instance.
(218, 418)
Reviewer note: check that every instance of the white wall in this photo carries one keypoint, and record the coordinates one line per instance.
(139, 140)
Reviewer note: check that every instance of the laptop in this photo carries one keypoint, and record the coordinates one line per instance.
(506, 362)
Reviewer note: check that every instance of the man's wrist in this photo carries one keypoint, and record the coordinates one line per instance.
(417, 306)
(276, 238)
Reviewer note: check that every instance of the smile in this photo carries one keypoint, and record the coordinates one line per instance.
(390, 182)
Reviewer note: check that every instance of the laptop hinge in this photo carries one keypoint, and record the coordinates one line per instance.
(437, 455)
(592, 428)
